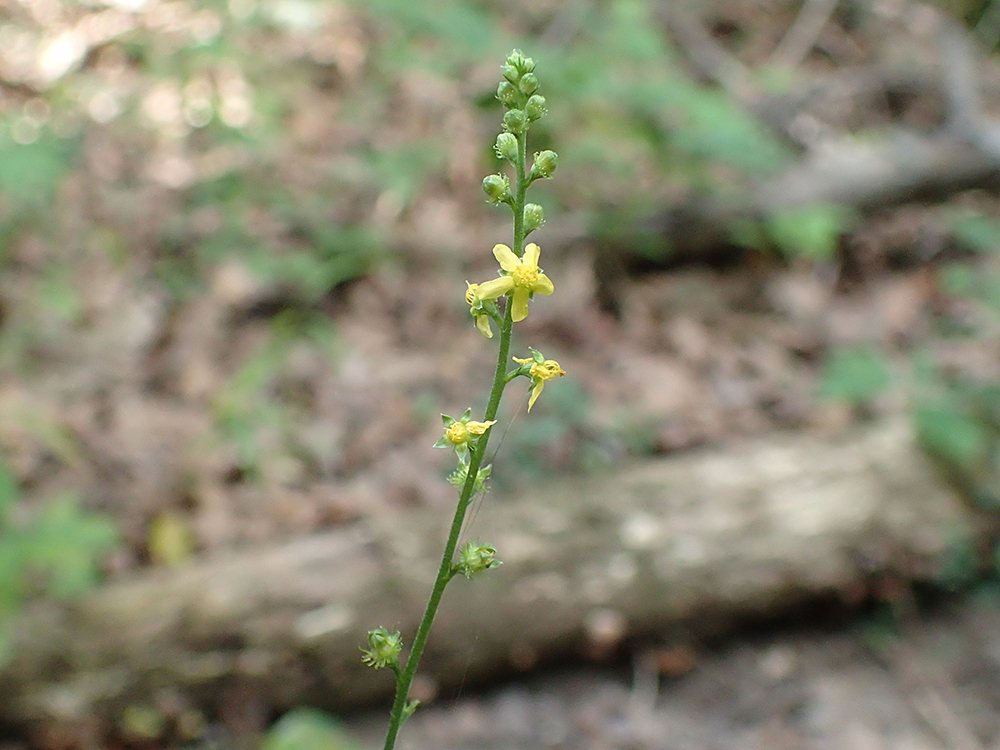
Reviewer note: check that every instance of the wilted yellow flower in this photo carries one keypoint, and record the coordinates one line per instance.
(540, 372)
(458, 433)
(476, 310)
(523, 276)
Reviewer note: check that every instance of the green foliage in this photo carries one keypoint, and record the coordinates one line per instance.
(812, 231)
(308, 729)
(55, 552)
(959, 565)
(975, 231)
(629, 107)
(440, 35)
(64, 542)
(948, 431)
(30, 173)
(334, 255)
(29, 176)
(559, 420)
(253, 404)
(959, 280)
(855, 375)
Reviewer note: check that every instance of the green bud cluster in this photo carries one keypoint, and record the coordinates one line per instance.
(474, 558)
(383, 649)
(519, 94)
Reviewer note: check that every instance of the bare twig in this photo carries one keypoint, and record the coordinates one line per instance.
(801, 37)
(927, 690)
(709, 57)
(961, 81)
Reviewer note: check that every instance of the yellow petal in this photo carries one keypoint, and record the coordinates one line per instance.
(539, 384)
(520, 309)
(543, 285)
(522, 361)
(530, 256)
(506, 258)
(478, 428)
(495, 287)
(483, 324)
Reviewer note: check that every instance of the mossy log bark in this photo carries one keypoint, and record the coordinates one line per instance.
(695, 539)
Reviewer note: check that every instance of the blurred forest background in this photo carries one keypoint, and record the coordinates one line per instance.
(234, 235)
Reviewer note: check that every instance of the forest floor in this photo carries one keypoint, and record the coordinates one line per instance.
(925, 682)
(249, 411)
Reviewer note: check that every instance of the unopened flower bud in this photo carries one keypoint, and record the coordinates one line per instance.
(534, 217)
(519, 62)
(507, 94)
(544, 164)
(535, 108)
(528, 84)
(515, 121)
(497, 188)
(511, 73)
(506, 147)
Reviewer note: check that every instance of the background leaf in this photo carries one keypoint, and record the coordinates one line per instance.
(854, 375)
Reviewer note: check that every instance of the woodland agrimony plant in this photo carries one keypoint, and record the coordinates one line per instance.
(519, 280)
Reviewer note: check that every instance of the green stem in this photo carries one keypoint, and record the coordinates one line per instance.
(522, 187)
(404, 679)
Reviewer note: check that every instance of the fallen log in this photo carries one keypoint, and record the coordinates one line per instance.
(694, 539)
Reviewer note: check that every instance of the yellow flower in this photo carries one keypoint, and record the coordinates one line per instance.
(458, 433)
(476, 310)
(524, 277)
(540, 372)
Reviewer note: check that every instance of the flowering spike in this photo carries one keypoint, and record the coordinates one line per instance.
(519, 280)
